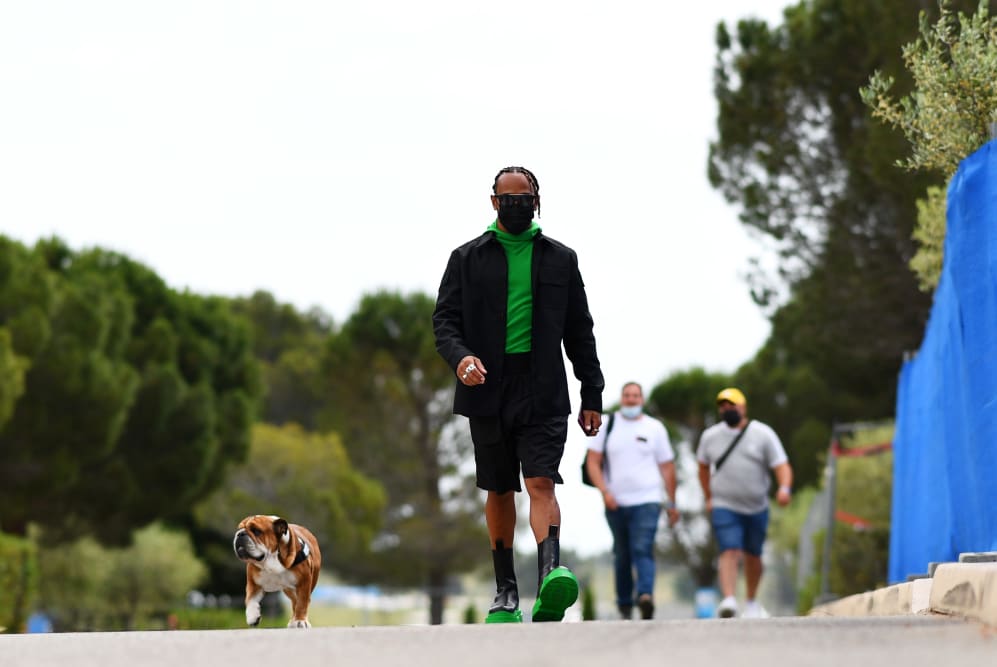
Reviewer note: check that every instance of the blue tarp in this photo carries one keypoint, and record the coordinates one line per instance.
(945, 447)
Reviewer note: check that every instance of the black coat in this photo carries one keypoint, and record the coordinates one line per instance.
(470, 319)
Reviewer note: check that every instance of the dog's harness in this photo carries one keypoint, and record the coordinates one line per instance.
(303, 553)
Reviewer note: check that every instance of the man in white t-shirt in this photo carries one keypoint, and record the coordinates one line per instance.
(629, 471)
(735, 481)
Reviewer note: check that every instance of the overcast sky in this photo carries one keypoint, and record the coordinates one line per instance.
(321, 150)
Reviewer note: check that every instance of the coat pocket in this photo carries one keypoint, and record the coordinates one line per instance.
(553, 287)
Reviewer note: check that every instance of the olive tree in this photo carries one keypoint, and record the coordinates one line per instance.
(948, 114)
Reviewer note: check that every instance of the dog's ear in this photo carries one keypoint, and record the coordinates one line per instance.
(281, 530)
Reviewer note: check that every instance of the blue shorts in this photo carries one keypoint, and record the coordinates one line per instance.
(734, 530)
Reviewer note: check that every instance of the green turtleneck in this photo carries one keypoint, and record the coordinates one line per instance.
(519, 301)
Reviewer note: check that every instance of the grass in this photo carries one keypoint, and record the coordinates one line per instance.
(318, 616)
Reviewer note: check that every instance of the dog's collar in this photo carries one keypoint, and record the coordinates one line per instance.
(303, 552)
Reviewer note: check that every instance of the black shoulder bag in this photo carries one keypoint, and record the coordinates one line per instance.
(605, 454)
(723, 458)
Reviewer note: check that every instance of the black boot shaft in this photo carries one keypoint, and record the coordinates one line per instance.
(548, 555)
(506, 588)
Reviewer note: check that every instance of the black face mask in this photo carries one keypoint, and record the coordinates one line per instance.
(731, 416)
(516, 212)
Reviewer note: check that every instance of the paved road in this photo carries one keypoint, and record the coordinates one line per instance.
(788, 642)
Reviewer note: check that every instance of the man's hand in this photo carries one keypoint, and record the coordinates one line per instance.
(590, 421)
(673, 516)
(471, 371)
(610, 500)
(784, 475)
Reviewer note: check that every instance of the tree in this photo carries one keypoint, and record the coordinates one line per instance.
(813, 176)
(391, 401)
(194, 404)
(687, 399)
(132, 594)
(76, 391)
(89, 587)
(288, 346)
(18, 580)
(136, 398)
(12, 370)
(794, 148)
(12, 366)
(948, 115)
(930, 237)
(308, 479)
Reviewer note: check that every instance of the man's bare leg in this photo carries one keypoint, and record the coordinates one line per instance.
(500, 515)
(727, 575)
(727, 571)
(752, 574)
(544, 510)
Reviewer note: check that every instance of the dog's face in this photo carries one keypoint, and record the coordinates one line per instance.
(259, 536)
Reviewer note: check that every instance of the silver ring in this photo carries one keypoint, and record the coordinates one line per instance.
(470, 367)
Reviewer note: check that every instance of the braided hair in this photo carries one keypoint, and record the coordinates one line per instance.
(529, 176)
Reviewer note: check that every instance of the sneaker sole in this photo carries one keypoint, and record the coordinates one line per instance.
(558, 591)
(505, 617)
(726, 613)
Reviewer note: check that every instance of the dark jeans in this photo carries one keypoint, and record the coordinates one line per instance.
(633, 531)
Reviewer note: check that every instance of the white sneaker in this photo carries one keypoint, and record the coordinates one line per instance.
(753, 609)
(727, 607)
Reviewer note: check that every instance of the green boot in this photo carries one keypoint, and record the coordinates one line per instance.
(557, 587)
(505, 608)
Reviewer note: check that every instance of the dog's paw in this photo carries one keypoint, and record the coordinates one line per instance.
(299, 624)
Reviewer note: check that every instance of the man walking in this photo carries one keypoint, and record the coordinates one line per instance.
(508, 301)
(735, 456)
(628, 464)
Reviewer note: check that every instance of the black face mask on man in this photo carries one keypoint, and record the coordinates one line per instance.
(731, 416)
(516, 212)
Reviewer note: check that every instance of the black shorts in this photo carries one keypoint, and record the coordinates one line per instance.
(516, 440)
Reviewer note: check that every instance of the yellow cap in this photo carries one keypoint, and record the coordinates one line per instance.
(733, 395)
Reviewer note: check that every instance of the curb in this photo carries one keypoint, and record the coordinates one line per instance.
(968, 590)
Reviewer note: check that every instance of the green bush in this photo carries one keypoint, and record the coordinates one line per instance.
(859, 560)
(588, 604)
(18, 581)
(470, 613)
(786, 523)
(860, 554)
(806, 597)
(90, 587)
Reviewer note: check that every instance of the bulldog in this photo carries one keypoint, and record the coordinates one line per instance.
(279, 556)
